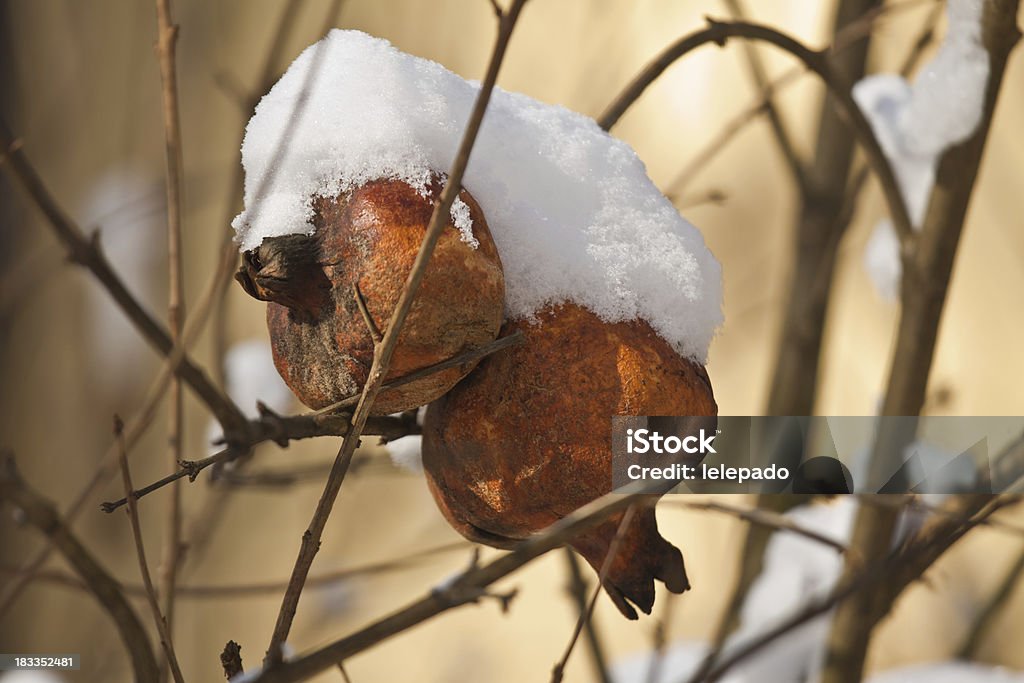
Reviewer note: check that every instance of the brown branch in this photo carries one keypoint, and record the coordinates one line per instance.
(385, 349)
(368, 320)
(41, 514)
(577, 589)
(558, 672)
(823, 220)
(162, 627)
(463, 359)
(990, 610)
(827, 208)
(166, 50)
(248, 590)
(767, 519)
(759, 75)
(660, 639)
(86, 251)
(719, 32)
(887, 577)
(926, 277)
(283, 429)
(818, 232)
(135, 428)
(466, 588)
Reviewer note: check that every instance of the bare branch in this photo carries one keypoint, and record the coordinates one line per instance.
(926, 277)
(764, 518)
(365, 312)
(578, 590)
(585, 615)
(324, 422)
(41, 514)
(459, 360)
(990, 610)
(238, 590)
(166, 50)
(465, 588)
(385, 349)
(887, 577)
(719, 32)
(162, 626)
(759, 75)
(135, 428)
(86, 251)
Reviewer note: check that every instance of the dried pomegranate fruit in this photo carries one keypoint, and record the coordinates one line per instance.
(370, 236)
(525, 439)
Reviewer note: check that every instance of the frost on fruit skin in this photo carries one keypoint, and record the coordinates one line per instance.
(916, 123)
(370, 236)
(571, 209)
(526, 439)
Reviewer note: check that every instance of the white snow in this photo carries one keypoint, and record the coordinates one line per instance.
(407, 453)
(571, 209)
(250, 376)
(882, 260)
(796, 571)
(26, 676)
(916, 123)
(948, 672)
(127, 206)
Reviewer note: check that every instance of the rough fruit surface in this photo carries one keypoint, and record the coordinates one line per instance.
(371, 236)
(526, 439)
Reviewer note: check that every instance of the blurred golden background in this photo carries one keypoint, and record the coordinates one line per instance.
(81, 87)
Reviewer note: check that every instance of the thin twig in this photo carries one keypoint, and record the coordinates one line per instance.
(990, 610)
(139, 423)
(166, 50)
(719, 32)
(385, 349)
(764, 518)
(371, 324)
(162, 627)
(887, 577)
(926, 276)
(247, 101)
(41, 514)
(281, 428)
(578, 590)
(87, 252)
(133, 431)
(459, 360)
(467, 587)
(236, 590)
(759, 75)
(660, 638)
(558, 672)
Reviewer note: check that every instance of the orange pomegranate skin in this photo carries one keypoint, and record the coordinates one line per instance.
(526, 438)
(370, 236)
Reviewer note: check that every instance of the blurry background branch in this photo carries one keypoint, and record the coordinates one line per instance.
(926, 277)
(41, 514)
(87, 252)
